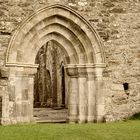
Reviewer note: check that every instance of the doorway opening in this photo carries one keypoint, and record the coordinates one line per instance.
(50, 93)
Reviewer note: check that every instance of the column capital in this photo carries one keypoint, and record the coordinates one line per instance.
(83, 70)
(76, 70)
(72, 70)
(4, 72)
(20, 71)
(99, 72)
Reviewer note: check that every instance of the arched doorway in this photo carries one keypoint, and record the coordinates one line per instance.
(84, 63)
(50, 102)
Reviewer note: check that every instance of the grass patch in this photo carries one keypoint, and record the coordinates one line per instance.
(129, 130)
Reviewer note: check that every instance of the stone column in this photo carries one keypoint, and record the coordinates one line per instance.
(4, 74)
(5, 107)
(73, 94)
(91, 94)
(100, 98)
(83, 94)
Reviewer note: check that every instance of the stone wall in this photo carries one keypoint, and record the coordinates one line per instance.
(118, 24)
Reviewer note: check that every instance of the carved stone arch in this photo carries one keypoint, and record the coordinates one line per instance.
(33, 29)
(86, 61)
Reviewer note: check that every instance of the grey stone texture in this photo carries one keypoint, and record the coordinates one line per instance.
(118, 24)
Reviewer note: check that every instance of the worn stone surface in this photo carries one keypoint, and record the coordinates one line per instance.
(118, 25)
(51, 115)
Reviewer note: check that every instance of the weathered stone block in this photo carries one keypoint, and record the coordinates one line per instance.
(117, 87)
(108, 4)
(4, 72)
(25, 94)
(25, 109)
(12, 93)
(117, 10)
(3, 82)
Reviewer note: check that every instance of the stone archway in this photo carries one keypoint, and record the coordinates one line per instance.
(85, 64)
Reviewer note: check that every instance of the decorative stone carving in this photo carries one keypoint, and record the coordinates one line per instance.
(72, 71)
(62, 25)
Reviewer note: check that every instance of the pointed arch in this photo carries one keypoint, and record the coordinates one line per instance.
(61, 24)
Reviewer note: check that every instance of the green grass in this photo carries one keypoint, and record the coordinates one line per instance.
(129, 130)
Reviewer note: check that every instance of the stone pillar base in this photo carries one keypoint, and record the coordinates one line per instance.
(100, 119)
(72, 119)
(10, 121)
(91, 119)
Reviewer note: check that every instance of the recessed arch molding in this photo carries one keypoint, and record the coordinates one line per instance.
(86, 62)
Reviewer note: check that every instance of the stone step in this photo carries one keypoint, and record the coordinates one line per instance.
(51, 121)
(49, 115)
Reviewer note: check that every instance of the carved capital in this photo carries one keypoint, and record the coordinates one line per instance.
(20, 71)
(4, 72)
(72, 71)
(86, 70)
(82, 72)
(99, 73)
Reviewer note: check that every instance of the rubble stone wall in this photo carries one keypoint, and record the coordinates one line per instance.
(118, 24)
